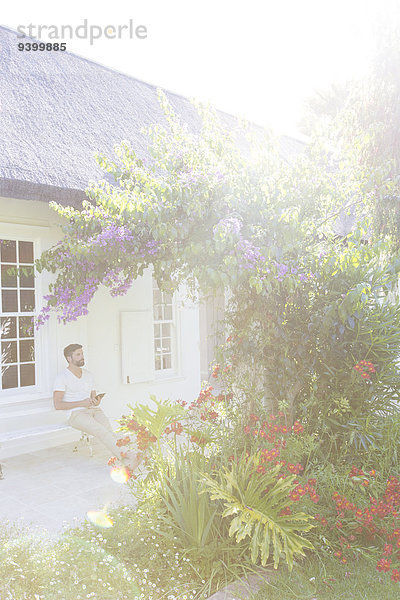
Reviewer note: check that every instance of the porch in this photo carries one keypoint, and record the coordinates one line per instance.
(55, 487)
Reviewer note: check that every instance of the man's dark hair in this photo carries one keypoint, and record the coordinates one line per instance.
(68, 350)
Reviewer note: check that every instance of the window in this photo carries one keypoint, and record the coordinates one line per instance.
(17, 301)
(163, 316)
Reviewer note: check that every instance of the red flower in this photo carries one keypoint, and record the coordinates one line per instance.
(383, 565)
(176, 427)
(123, 441)
(298, 427)
(395, 575)
(294, 496)
(387, 549)
(285, 511)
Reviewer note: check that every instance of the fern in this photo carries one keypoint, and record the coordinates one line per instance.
(255, 502)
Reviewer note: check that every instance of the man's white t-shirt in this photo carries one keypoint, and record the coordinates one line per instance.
(74, 388)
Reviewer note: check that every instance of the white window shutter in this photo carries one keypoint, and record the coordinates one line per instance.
(137, 346)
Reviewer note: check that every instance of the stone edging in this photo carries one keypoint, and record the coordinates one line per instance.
(240, 589)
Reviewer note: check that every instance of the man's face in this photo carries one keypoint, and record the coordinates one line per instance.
(77, 359)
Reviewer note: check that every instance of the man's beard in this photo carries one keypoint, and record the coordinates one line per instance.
(79, 363)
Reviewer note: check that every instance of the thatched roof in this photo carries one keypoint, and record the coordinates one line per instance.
(57, 109)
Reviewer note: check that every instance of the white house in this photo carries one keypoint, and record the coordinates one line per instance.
(57, 109)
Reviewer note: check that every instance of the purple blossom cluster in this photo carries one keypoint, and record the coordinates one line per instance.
(189, 177)
(118, 282)
(152, 247)
(228, 225)
(64, 295)
(113, 235)
(70, 303)
(250, 255)
(284, 271)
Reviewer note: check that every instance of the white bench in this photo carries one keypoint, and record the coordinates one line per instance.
(39, 431)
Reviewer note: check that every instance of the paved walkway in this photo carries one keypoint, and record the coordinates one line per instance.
(52, 488)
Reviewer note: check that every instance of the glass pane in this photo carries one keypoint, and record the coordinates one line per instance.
(157, 331)
(8, 251)
(26, 350)
(156, 297)
(25, 252)
(9, 300)
(166, 330)
(9, 327)
(27, 374)
(168, 312)
(10, 378)
(27, 279)
(158, 363)
(167, 298)
(8, 352)
(157, 346)
(166, 345)
(27, 300)
(25, 327)
(166, 361)
(157, 311)
(8, 279)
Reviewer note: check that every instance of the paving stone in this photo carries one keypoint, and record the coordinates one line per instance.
(52, 488)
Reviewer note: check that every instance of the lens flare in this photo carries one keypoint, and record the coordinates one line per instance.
(99, 518)
(120, 474)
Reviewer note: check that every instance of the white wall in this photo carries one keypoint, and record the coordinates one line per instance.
(104, 349)
(99, 332)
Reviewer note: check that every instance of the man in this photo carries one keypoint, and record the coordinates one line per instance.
(74, 391)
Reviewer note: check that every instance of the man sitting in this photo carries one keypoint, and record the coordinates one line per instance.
(74, 391)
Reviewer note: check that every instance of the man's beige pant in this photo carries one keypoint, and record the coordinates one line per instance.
(95, 422)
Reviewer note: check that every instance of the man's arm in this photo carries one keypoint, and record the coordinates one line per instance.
(59, 403)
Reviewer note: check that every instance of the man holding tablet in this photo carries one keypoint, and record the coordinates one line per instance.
(74, 391)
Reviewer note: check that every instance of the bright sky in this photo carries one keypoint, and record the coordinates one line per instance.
(254, 58)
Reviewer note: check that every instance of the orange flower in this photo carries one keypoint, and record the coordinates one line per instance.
(123, 441)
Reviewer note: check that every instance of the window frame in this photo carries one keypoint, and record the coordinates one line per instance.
(24, 233)
(173, 370)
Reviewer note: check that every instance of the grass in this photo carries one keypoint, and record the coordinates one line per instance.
(132, 560)
(317, 579)
(128, 561)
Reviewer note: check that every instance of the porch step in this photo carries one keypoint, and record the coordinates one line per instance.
(26, 411)
(27, 433)
(30, 439)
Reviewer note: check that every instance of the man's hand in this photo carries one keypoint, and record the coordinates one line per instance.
(95, 401)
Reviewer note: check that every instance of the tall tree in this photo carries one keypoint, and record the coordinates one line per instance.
(219, 211)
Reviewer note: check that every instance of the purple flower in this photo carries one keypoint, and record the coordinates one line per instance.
(228, 225)
(282, 270)
(250, 254)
